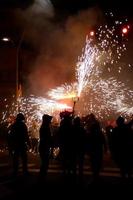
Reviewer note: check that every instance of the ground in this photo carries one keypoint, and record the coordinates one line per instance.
(32, 186)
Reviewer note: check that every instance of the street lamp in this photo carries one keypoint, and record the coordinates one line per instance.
(7, 39)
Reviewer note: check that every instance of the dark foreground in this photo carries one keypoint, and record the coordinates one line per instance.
(55, 185)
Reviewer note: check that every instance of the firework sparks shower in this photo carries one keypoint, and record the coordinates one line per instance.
(99, 95)
(85, 65)
(104, 52)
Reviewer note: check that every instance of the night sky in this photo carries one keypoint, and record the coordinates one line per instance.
(72, 6)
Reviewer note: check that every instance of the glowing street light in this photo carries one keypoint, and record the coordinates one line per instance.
(5, 39)
(18, 85)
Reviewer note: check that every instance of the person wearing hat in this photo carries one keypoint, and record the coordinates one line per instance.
(19, 140)
(45, 144)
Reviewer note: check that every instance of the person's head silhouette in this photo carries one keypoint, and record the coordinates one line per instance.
(20, 117)
(120, 121)
(46, 118)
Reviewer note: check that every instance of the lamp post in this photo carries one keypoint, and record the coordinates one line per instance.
(18, 84)
(17, 65)
(7, 39)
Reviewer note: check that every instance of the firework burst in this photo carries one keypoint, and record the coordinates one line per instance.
(85, 65)
(33, 108)
(106, 98)
(102, 96)
(65, 91)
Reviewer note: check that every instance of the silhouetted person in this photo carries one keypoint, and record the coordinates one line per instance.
(79, 145)
(19, 139)
(130, 124)
(45, 144)
(122, 147)
(97, 145)
(66, 144)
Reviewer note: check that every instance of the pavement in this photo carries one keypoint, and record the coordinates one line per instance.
(32, 186)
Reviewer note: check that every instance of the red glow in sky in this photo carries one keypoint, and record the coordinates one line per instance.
(125, 29)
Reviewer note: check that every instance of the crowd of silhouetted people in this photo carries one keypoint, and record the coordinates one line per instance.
(74, 138)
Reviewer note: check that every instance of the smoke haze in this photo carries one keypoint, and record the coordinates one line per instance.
(58, 42)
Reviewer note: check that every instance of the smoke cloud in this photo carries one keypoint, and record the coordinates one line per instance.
(41, 7)
(58, 41)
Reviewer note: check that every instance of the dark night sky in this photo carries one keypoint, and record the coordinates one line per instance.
(72, 6)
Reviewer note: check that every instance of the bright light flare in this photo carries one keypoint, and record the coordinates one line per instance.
(92, 33)
(5, 39)
(125, 29)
